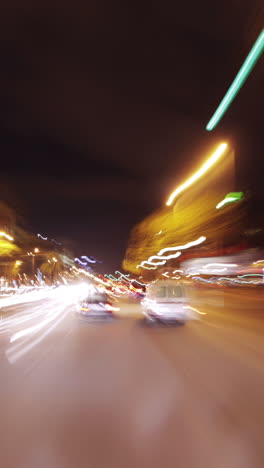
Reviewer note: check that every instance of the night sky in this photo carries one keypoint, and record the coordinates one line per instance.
(104, 107)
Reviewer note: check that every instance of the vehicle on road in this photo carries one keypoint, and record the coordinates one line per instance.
(166, 302)
(96, 305)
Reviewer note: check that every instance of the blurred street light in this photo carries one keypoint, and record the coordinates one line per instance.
(241, 77)
(4, 234)
(203, 169)
(36, 250)
(230, 198)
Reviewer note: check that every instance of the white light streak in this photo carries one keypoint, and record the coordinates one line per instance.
(183, 247)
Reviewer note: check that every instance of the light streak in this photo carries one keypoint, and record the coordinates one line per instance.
(80, 262)
(225, 201)
(159, 257)
(195, 310)
(56, 242)
(183, 247)
(164, 258)
(250, 274)
(122, 274)
(203, 169)
(149, 262)
(126, 278)
(7, 236)
(208, 265)
(32, 329)
(14, 355)
(230, 198)
(42, 237)
(90, 275)
(112, 277)
(147, 268)
(241, 77)
(89, 259)
(165, 274)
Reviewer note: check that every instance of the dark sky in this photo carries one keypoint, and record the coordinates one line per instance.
(103, 107)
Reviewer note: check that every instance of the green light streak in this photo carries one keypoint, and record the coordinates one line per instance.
(229, 198)
(241, 77)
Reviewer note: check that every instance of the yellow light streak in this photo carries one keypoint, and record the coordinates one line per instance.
(203, 169)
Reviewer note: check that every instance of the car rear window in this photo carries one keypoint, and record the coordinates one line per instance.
(96, 298)
(161, 292)
(169, 291)
(174, 291)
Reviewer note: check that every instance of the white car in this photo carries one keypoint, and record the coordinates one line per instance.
(97, 305)
(166, 301)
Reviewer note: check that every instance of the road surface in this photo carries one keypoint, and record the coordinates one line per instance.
(121, 394)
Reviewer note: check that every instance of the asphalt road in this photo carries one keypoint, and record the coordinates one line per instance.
(122, 394)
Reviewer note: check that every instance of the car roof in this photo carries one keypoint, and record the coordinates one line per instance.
(162, 282)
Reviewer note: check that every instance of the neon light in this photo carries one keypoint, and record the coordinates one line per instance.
(203, 169)
(241, 77)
